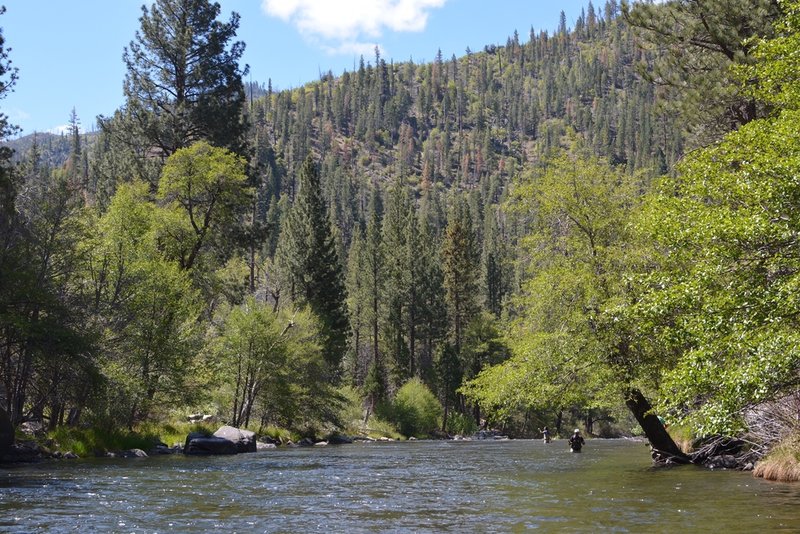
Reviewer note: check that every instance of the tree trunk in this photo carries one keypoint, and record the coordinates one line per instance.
(664, 448)
(6, 431)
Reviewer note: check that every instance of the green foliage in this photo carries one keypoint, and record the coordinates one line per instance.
(203, 189)
(148, 302)
(460, 269)
(352, 412)
(108, 282)
(92, 441)
(416, 410)
(698, 42)
(725, 298)
(274, 362)
(251, 350)
(461, 424)
(563, 352)
(773, 75)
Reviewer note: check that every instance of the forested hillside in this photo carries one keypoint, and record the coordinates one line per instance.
(502, 234)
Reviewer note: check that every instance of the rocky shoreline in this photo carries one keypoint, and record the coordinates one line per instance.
(225, 441)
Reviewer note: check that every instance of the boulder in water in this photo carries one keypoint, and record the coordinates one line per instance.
(339, 439)
(25, 451)
(201, 445)
(245, 440)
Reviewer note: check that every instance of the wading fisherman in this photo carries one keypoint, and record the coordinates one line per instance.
(545, 434)
(576, 441)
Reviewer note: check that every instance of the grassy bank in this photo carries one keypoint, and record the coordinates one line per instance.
(87, 442)
(92, 441)
(782, 463)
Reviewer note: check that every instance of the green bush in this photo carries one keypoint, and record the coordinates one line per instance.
(416, 410)
(461, 424)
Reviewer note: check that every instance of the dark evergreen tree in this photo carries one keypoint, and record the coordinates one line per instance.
(698, 41)
(184, 82)
(398, 270)
(460, 268)
(312, 267)
(10, 261)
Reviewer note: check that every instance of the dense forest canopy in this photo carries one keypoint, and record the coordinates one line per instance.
(532, 234)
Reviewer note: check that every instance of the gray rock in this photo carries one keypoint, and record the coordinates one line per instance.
(261, 446)
(162, 449)
(70, 456)
(723, 461)
(306, 442)
(25, 451)
(245, 440)
(339, 439)
(267, 439)
(208, 445)
(132, 453)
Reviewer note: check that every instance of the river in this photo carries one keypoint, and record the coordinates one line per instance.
(467, 486)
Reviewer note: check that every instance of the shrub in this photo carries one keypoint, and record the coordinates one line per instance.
(461, 424)
(416, 410)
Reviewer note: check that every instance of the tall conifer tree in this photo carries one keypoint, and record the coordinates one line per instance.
(184, 83)
(460, 267)
(312, 267)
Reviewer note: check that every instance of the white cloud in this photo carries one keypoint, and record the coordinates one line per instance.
(64, 129)
(59, 130)
(348, 23)
(352, 48)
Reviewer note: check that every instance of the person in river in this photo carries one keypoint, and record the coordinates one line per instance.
(576, 441)
(545, 434)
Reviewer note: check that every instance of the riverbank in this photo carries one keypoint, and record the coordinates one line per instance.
(782, 464)
(34, 444)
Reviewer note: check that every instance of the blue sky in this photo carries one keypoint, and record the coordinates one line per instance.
(69, 53)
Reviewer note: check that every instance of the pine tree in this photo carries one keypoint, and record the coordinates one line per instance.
(698, 42)
(460, 267)
(374, 275)
(307, 253)
(184, 82)
(395, 224)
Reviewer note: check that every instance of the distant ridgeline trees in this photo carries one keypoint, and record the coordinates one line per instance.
(485, 226)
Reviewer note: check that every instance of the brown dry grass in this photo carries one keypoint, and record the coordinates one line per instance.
(782, 464)
(777, 470)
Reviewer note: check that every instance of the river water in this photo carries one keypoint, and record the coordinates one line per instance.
(465, 486)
